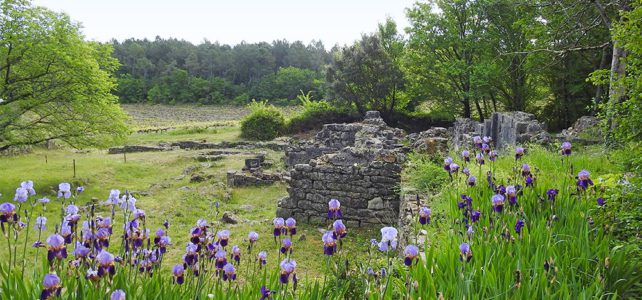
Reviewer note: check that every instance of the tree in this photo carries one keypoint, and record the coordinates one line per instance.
(364, 75)
(53, 84)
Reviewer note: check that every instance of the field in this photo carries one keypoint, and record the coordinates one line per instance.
(564, 249)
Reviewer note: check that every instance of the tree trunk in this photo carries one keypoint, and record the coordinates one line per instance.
(479, 110)
(599, 91)
(617, 90)
(466, 102)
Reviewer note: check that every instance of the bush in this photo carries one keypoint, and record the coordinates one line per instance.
(425, 173)
(419, 121)
(317, 113)
(265, 122)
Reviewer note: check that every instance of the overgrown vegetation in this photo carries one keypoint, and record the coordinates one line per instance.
(265, 122)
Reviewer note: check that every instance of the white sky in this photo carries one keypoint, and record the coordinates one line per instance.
(232, 21)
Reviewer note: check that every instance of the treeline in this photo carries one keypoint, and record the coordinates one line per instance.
(173, 71)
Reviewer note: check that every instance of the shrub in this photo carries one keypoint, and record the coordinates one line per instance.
(265, 122)
(419, 121)
(317, 113)
(425, 173)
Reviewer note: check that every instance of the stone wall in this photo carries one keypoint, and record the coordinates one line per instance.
(505, 128)
(363, 174)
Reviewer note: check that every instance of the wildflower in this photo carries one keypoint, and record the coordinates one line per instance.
(329, 243)
(236, 254)
(498, 203)
(21, 195)
(28, 185)
(104, 223)
(128, 202)
(229, 272)
(526, 170)
(583, 180)
(466, 253)
(512, 195)
(487, 139)
(81, 251)
(65, 231)
(479, 158)
(105, 263)
(252, 237)
(601, 201)
(388, 239)
(334, 209)
(92, 275)
(265, 294)
(114, 197)
(56, 247)
(485, 148)
(383, 272)
(221, 261)
(472, 180)
(371, 271)
(286, 245)
(223, 237)
(492, 155)
(501, 190)
(519, 152)
(424, 215)
(466, 155)
(163, 243)
(202, 224)
(566, 148)
(477, 140)
(290, 223)
(466, 171)
(279, 226)
(80, 189)
(287, 268)
(262, 257)
(191, 254)
(454, 168)
(340, 230)
(447, 163)
(43, 200)
(530, 180)
(518, 226)
(179, 274)
(470, 231)
(118, 295)
(51, 287)
(8, 213)
(552, 194)
(475, 216)
(64, 190)
(411, 252)
(166, 224)
(139, 214)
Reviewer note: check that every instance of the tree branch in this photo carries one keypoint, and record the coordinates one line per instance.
(559, 52)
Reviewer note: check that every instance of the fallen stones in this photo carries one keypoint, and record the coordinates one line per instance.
(236, 179)
(229, 218)
(136, 148)
(431, 141)
(586, 130)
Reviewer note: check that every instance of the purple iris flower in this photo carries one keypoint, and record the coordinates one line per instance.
(447, 162)
(468, 201)
(526, 170)
(21, 195)
(236, 254)
(411, 252)
(117, 295)
(583, 180)
(114, 197)
(477, 140)
(56, 248)
(340, 230)
(223, 237)
(479, 158)
(28, 185)
(472, 180)
(512, 195)
(41, 223)
(498, 203)
(475, 216)
(485, 148)
(492, 155)
(179, 273)
(466, 254)
(229, 272)
(487, 139)
(287, 268)
(105, 263)
(8, 213)
(601, 201)
(80, 189)
(64, 190)
(286, 245)
(81, 251)
(51, 287)
(453, 168)
(253, 237)
(501, 190)
(265, 293)
(139, 214)
(279, 226)
(221, 261)
(466, 155)
(334, 209)
(466, 171)
(329, 243)
(529, 180)
(519, 152)
(262, 257)
(44, 200)
(388, 239)
(552, 194)
(470, 231)
(424, 215)
(290, 223)
(519, 225)
(566, 148)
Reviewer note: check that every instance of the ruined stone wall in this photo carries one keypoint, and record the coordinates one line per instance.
(505, 128)
(363, 174)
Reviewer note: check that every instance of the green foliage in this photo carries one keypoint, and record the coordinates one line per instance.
(317, 113)
(424, 173)
(54, 84)
(265, 122)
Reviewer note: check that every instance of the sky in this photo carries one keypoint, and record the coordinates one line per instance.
(232, 21)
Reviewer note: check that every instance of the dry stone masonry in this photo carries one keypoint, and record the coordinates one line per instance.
(359, 164)
(506, 128)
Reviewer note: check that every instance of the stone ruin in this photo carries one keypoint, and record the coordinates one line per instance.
(359, 164)
(252, 173)
(505, 128)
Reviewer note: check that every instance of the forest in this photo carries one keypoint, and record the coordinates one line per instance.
(465, 58)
